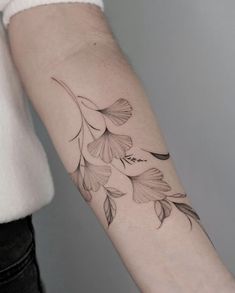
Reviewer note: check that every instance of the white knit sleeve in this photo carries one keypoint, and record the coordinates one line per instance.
(15, 6)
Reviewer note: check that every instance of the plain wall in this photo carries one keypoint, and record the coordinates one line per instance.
(184, 52)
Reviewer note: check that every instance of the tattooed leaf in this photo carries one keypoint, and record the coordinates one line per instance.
(114, 192)
(178, 195)
(119, 112)
(110, 145)
(162, 157)
(149, 186)
(163, 209)
(187, 210)
(109, 209)
(95, 176)
(78, 181)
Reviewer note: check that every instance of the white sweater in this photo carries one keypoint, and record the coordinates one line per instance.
(25, 180)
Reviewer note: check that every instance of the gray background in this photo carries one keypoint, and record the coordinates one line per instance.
(184, 52)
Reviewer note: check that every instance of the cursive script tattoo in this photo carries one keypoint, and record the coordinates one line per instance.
(109, 148)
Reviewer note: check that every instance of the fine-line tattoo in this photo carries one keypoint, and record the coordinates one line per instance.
(109, 148)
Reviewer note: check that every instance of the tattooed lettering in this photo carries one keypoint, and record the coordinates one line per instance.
(107, 148)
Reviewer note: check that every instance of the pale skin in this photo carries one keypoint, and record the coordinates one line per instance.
(66, 50)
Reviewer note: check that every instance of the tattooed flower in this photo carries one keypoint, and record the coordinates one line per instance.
(119, 112)
(95, 176)
(149, 186)
(78, 181)
(109, 146)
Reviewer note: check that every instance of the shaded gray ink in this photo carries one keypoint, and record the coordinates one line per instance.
(110, 147)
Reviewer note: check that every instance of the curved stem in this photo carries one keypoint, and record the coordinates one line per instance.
(88, 127)
(76, 136)
(84, 120)
(67, 89)
(92, 109)
(81, 130)
(69, 92)
(87, 99)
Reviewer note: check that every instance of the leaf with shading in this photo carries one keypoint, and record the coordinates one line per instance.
(163, 209)
(119, 112)
(109, 146)
(78, 181)
(109, 209)
(162, 157)
(187, 210)
(111, 191)
(178, 195)
(95, 176)
(149, 186)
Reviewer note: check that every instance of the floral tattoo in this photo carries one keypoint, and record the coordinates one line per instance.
(109, 147)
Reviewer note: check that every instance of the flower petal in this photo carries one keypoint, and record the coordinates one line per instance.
(119, 112)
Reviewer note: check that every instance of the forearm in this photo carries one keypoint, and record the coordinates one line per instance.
(98, 116)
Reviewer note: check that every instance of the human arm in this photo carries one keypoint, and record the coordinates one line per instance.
(71, 46)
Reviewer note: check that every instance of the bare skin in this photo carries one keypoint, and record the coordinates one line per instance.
(100, 121)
